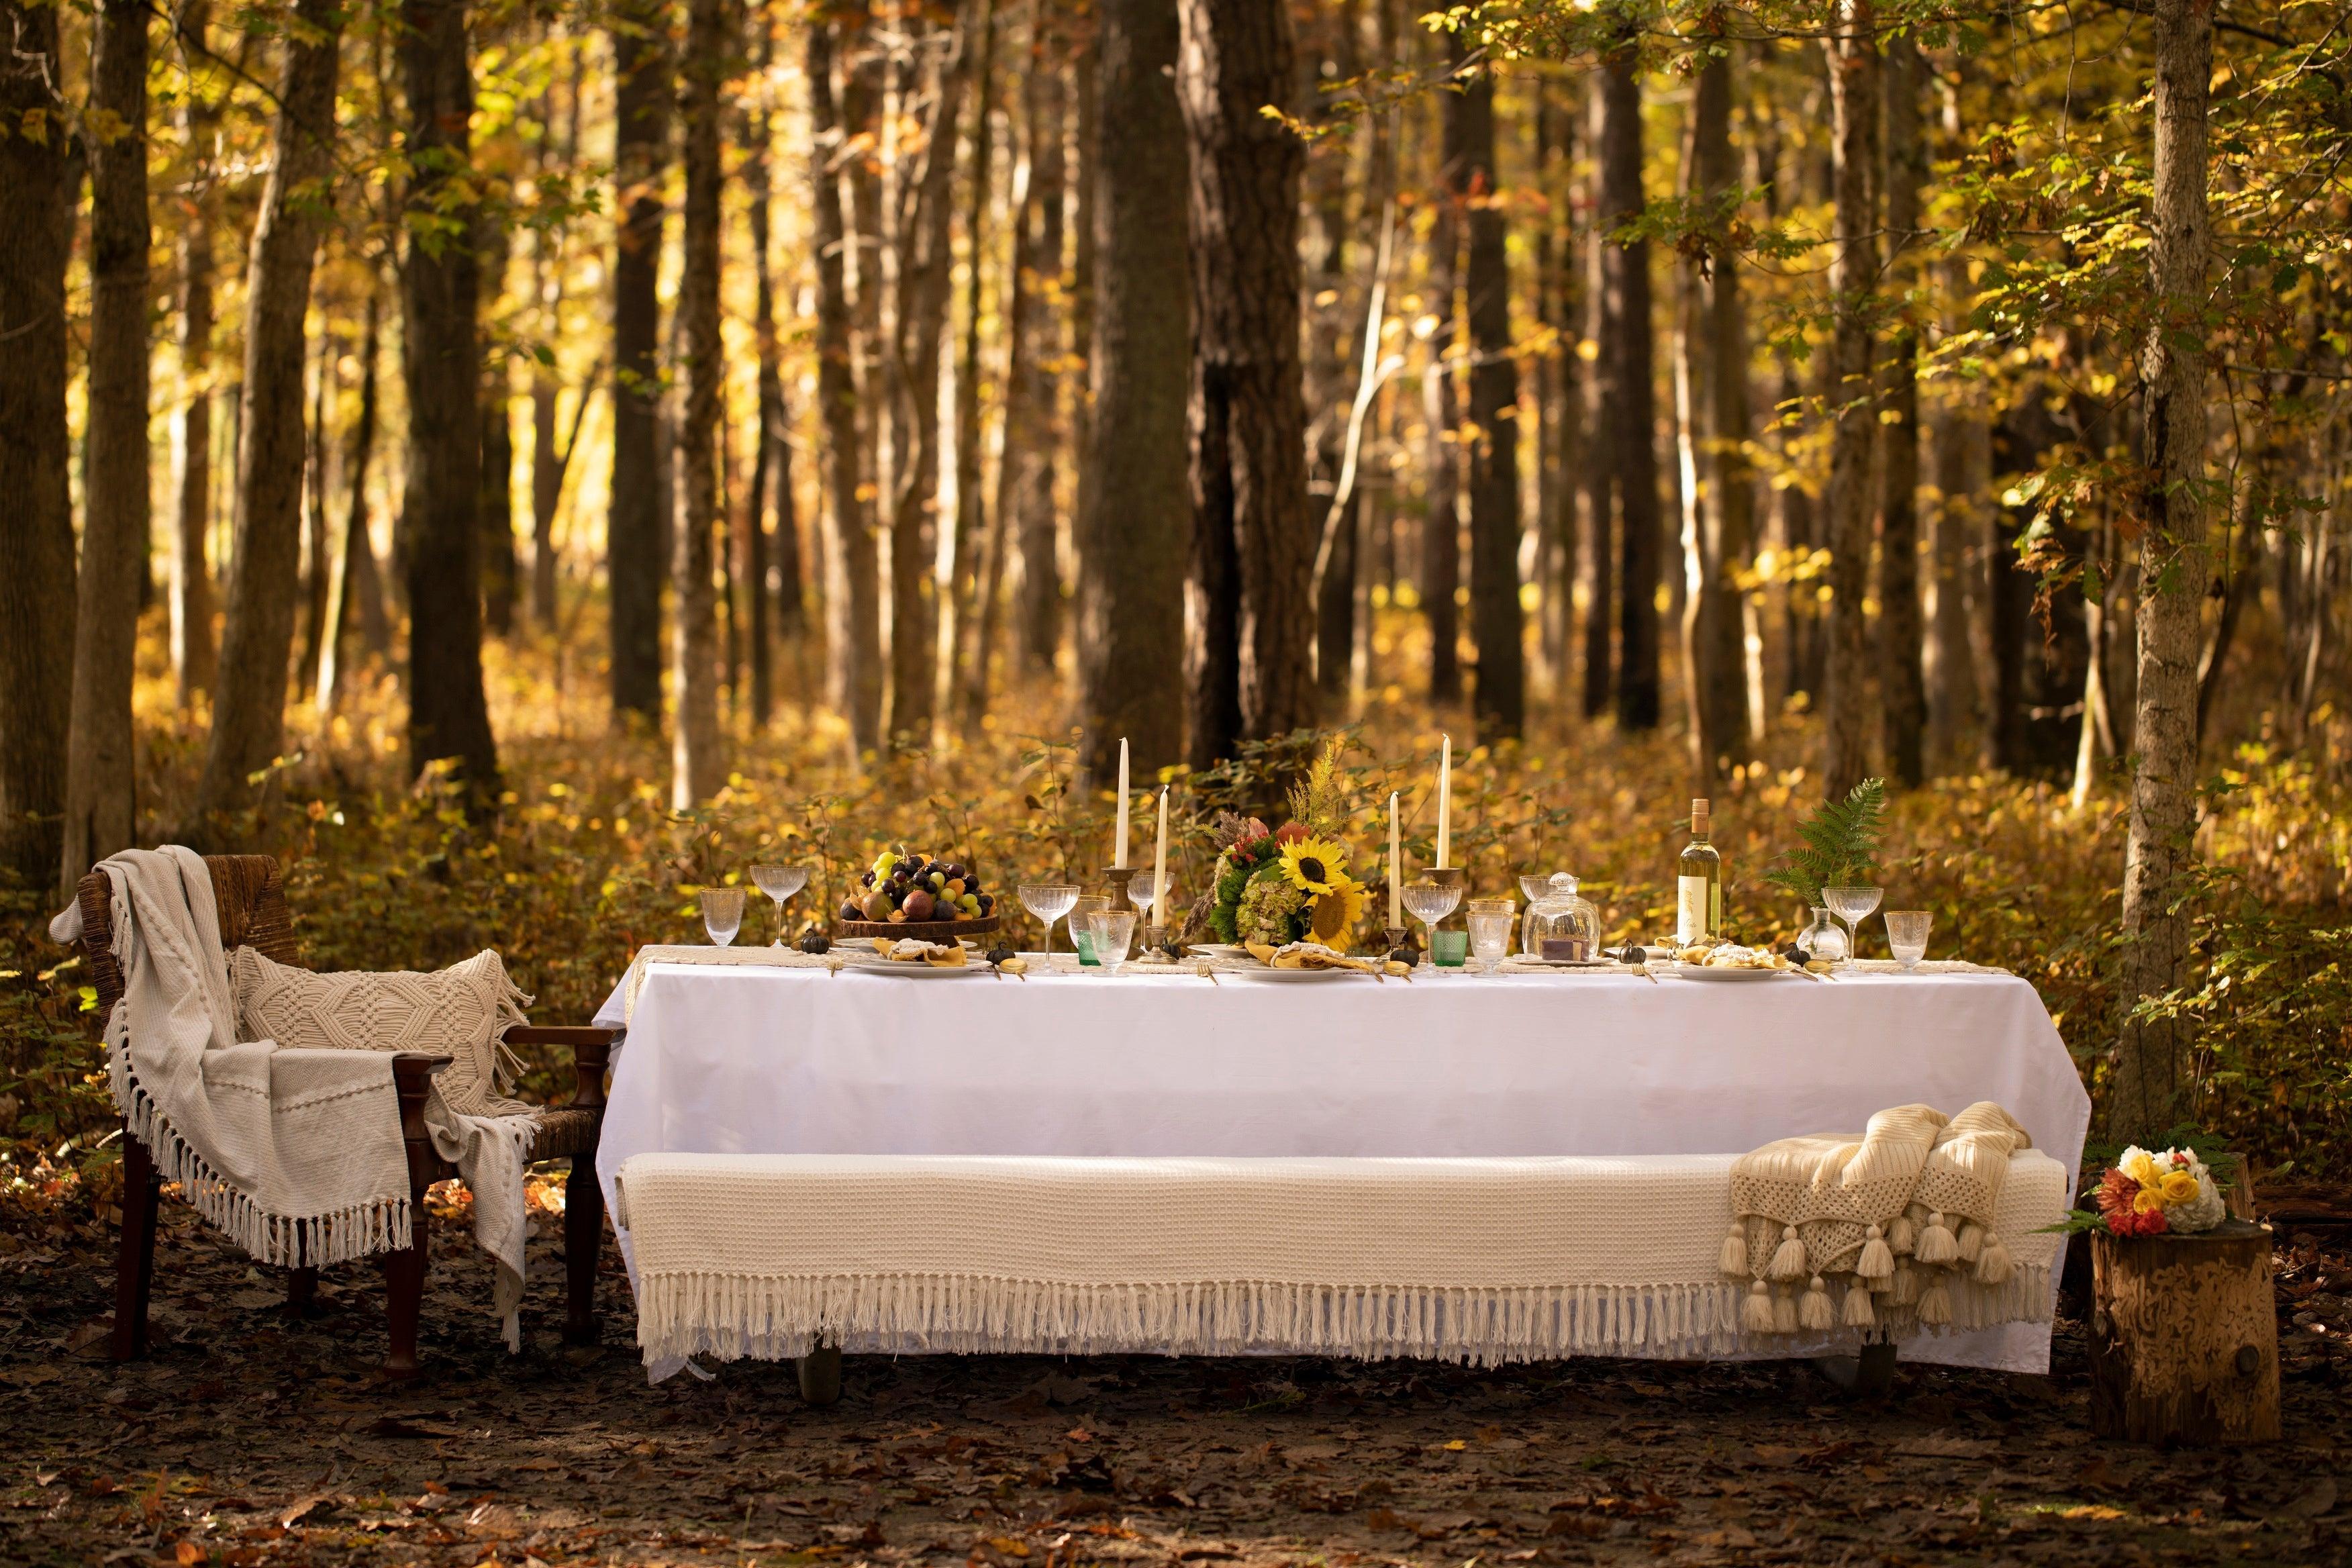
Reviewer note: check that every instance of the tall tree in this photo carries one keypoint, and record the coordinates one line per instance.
(1718, 486)
(1441, 529)
(1134, 520)
(191, 582)
(698, 765)
(853, 589)
(1602, 417)
(634, 528)
(1252, 616)
(257, 638)
(1496, 622)
(1854, 403)
(1034, 382)
(501, 568)
(357, 592)
(765, 553)
(101, 755)
(2147, 1098)
(1628, 367)
(958, 588)
(448, 717)
(559, 149)
(1901, 635)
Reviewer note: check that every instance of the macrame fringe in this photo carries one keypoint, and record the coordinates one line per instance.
(288, 1241)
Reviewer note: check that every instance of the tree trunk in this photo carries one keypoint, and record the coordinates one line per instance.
(1963, 455)
(2184, 1338)
(318, 564)
(1254, 626)
(249, 711)
(698, 765)
(926, 271)
(1903, 692)
(1441, 529)
(634, 527)
(358, 589)
(501, 571)
(1718, 490)
(447, 716)
(1496, 621)
(957, 577)
(2148, 1096)
(100, 754)
(1036, 386)
(851, 593)
(768, 553)
(1600, 470)
(191, 574)
(1853, 265)
(1631, 394)
(1135, 518)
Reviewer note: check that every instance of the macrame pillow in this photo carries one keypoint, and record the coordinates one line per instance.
(462, 1011)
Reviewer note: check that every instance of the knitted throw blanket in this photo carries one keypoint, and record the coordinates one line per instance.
(295, 1155)
(1892, 1219)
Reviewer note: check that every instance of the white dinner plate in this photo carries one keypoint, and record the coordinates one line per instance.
(878, 966)
(1221, 950)
(1702, 971)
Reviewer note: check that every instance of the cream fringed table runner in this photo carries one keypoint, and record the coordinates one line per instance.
(1484, 1260)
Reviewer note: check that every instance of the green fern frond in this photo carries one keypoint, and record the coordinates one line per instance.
(1838, 844)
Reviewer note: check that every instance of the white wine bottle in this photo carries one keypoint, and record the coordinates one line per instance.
(1698, 886)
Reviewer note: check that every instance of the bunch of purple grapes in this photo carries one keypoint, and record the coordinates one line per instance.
(902, 887)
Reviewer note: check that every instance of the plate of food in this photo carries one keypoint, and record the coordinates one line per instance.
(915, 958)
(1731, 961)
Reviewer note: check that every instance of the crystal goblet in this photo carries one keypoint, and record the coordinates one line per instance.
(1113, 931)
(1906, 935)
(1850, 904)
(779, 883)
(1491, 920)
(1049, 901)
(1430, 903)
(722, 914)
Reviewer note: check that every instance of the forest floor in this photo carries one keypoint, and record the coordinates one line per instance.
(250, 1437)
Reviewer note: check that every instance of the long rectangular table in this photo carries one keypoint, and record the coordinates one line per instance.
(750, 1059)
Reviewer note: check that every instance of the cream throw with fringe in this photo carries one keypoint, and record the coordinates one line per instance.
(1485, 1260)
(1898, 1217)
(292, 1150)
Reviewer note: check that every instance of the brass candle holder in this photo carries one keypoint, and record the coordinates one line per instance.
(1115, 880)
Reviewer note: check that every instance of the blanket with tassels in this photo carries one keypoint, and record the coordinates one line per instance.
(1893, 1218)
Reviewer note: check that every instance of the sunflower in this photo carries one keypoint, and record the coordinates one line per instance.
(1337, 912)
(1314, 865)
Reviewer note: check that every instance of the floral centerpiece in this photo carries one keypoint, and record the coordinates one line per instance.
(2146, 1194)
(1278, 886)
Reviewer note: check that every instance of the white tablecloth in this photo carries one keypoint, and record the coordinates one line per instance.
(756, 1060)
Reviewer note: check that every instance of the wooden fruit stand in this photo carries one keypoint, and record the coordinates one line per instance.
(2184, 1337)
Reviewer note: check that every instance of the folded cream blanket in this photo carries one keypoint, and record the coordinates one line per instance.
(1485, 1260)
(1877, 1214)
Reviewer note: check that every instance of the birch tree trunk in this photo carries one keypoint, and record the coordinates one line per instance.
(448, 715)
(698, 765)
(1254, 560)
(1134, 519)
(853, 589)
(249, 708)
(191, 582)
(1631, 394)
(634, 528)
(2148, 1094)
(1496, 622)
(1901, 638)
(100, 752)
(1853, 101)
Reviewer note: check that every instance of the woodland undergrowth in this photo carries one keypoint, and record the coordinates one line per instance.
(585, 863)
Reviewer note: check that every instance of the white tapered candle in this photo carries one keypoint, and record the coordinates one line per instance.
(1396, 865)
(1121, 860)
(1445, 803)
(1160, 864)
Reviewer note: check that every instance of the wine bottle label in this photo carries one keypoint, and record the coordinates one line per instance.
(1692, 908)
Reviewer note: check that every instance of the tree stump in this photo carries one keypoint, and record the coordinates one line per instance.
(2184, 1338)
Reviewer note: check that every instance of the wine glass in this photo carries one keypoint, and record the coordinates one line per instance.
(1491, 920)
(1430, 903)
(722, 914)
(1113, 931)
(779, 883)
(1139, 893)
(1852, 904)
(1906, 935)
(1049, 901)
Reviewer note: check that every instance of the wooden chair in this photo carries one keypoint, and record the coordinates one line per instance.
(250, 891)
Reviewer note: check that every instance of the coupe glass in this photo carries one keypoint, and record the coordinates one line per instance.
(1491, 920)
(1850, 905)
(1049, 901)
(1113, 931)
(722, 914)
(779, 883)
(1430, 903)
(1535, 884)
(1906, 935)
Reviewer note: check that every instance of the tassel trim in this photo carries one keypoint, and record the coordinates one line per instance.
(1789, 1259)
